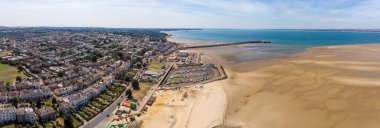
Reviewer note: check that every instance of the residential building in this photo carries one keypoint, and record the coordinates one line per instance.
(26, 115)
(64, 108)
(7, 114)
(77, 99)
(47, 113)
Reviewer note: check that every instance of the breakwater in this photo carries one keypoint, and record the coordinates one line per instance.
(224, 44)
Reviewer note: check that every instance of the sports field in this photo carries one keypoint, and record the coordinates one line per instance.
(9, 73)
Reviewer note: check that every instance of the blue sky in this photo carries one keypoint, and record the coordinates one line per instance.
(252, 14)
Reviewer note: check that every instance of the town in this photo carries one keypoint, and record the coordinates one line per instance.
(89, 77)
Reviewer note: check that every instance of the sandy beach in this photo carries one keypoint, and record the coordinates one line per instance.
(202, 106)
(324, 87)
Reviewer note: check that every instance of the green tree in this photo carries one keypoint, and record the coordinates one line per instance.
(135, 84)
(127, 78)
(145, 65)
(60, 73)
(18, 78)
(68, 121)
(128, 93)
(20, 68)
(54, 100)
(15, 101)
(38, 103)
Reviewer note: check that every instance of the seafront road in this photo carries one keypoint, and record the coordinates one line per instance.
(100, 120)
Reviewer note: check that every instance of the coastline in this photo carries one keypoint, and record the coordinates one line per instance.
(320, 87)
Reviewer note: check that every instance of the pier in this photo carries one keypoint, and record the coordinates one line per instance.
(224, 44)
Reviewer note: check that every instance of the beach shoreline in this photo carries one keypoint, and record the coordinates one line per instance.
(321, 82)
(320, 87)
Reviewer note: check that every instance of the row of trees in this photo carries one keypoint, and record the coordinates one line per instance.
(39, 102)
(17, 64)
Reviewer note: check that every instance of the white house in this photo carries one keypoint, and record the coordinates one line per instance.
(26, 115)
(77, 100)
(7, 114)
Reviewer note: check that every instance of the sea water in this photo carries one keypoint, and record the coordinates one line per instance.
(284, 42)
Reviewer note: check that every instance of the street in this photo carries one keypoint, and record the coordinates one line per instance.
(100, 121)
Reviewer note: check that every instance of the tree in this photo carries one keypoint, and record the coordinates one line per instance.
(94, 58)
(20, 68)
(145, 65)
(15, 101)
(132, 118)
(127, 78)
(18, 78)
(60, 73)
(138, 59)
(54, 100)
(68, 121)
(135, 84)
(38, 104)
(128, 93)
(138, 65)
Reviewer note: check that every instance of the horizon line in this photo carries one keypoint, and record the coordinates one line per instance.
(104, 27)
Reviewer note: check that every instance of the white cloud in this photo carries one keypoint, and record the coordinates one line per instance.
(192, 13)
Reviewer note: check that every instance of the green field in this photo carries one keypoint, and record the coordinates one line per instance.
(9, 73)
(8, 126)
(156, 67)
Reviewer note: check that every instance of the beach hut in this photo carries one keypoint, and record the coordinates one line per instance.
(145, 108)
(151, 100)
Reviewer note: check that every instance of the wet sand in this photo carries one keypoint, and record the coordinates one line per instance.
(327, 87)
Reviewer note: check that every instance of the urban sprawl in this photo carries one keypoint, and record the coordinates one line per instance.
(82, 77)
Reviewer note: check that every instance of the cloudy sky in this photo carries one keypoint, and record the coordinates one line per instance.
(251, 14)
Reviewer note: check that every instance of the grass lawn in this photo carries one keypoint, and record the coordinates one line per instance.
(60, 121)
(8, 126)
(48, 103)
(76, 122)
(155, 67)
(9, 73)
(48, 125)
(106, 97)
(174, 80)
(144, 88)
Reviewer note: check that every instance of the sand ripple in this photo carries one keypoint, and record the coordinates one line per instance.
(328, 87)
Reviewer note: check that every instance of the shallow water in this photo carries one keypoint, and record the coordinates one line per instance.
(284, 42)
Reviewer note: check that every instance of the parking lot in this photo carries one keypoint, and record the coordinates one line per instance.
(191, 74)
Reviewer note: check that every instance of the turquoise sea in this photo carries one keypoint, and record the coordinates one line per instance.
(284, 42)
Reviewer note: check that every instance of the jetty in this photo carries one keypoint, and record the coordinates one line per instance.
(223, 44)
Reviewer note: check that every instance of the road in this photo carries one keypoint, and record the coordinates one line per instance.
(100, 121)
(36, 76)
